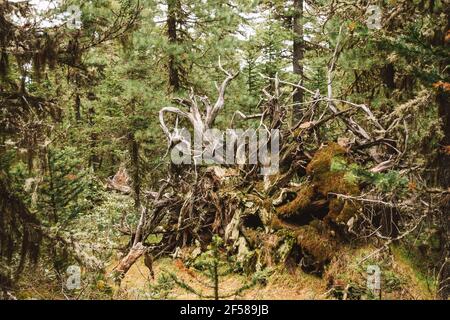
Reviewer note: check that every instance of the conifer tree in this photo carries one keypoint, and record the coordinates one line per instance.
(211, 266)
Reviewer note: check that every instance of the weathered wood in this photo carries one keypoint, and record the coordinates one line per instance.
(120, 182)
(127, 262)
(200, 122)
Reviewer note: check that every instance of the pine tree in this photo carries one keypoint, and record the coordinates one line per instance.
(211, 266)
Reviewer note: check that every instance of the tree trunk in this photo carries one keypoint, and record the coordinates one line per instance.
(388, 76)
(136, 172)
(174, 77)
(93, 159)
(127, 262)
(298, 54)
(77, 108)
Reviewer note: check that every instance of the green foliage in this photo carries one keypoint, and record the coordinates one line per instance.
(162, 289)
(212, 266)
(419, 262)
(390, 181)
(76, 106)
(64, 188)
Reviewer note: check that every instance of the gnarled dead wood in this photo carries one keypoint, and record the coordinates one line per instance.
(120, 181)
(200, 121)
(127, 262)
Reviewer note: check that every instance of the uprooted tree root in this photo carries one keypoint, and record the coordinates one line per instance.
(324, 196)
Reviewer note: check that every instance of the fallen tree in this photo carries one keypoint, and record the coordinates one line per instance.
(325, 194)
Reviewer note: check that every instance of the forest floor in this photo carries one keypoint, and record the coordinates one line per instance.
(279, 286)
(400, 279)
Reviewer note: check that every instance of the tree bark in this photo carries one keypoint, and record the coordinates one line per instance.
(388, 75)
(77, 108)
(297, 56)
(127, 262)
(94, 160)
(136, 171)
(174, 77)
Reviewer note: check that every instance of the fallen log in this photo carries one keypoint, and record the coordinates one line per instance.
(127, 262)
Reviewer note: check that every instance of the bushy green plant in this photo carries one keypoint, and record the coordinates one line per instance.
(390, 181)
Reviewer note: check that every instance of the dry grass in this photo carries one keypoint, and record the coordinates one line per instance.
(280, 285)
(400, 280)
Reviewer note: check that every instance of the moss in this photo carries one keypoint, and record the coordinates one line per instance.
(275, 223)
(414, 265)
(266, 256)
(252, 236)
(285, 249)
(341, 211)
(327, 173)
(329, 176)
(313, 202)
(322, 160)
(336, 207)
(316, 244)
(319, 225)
(334, 182)
(347, 212)
(300, 202)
